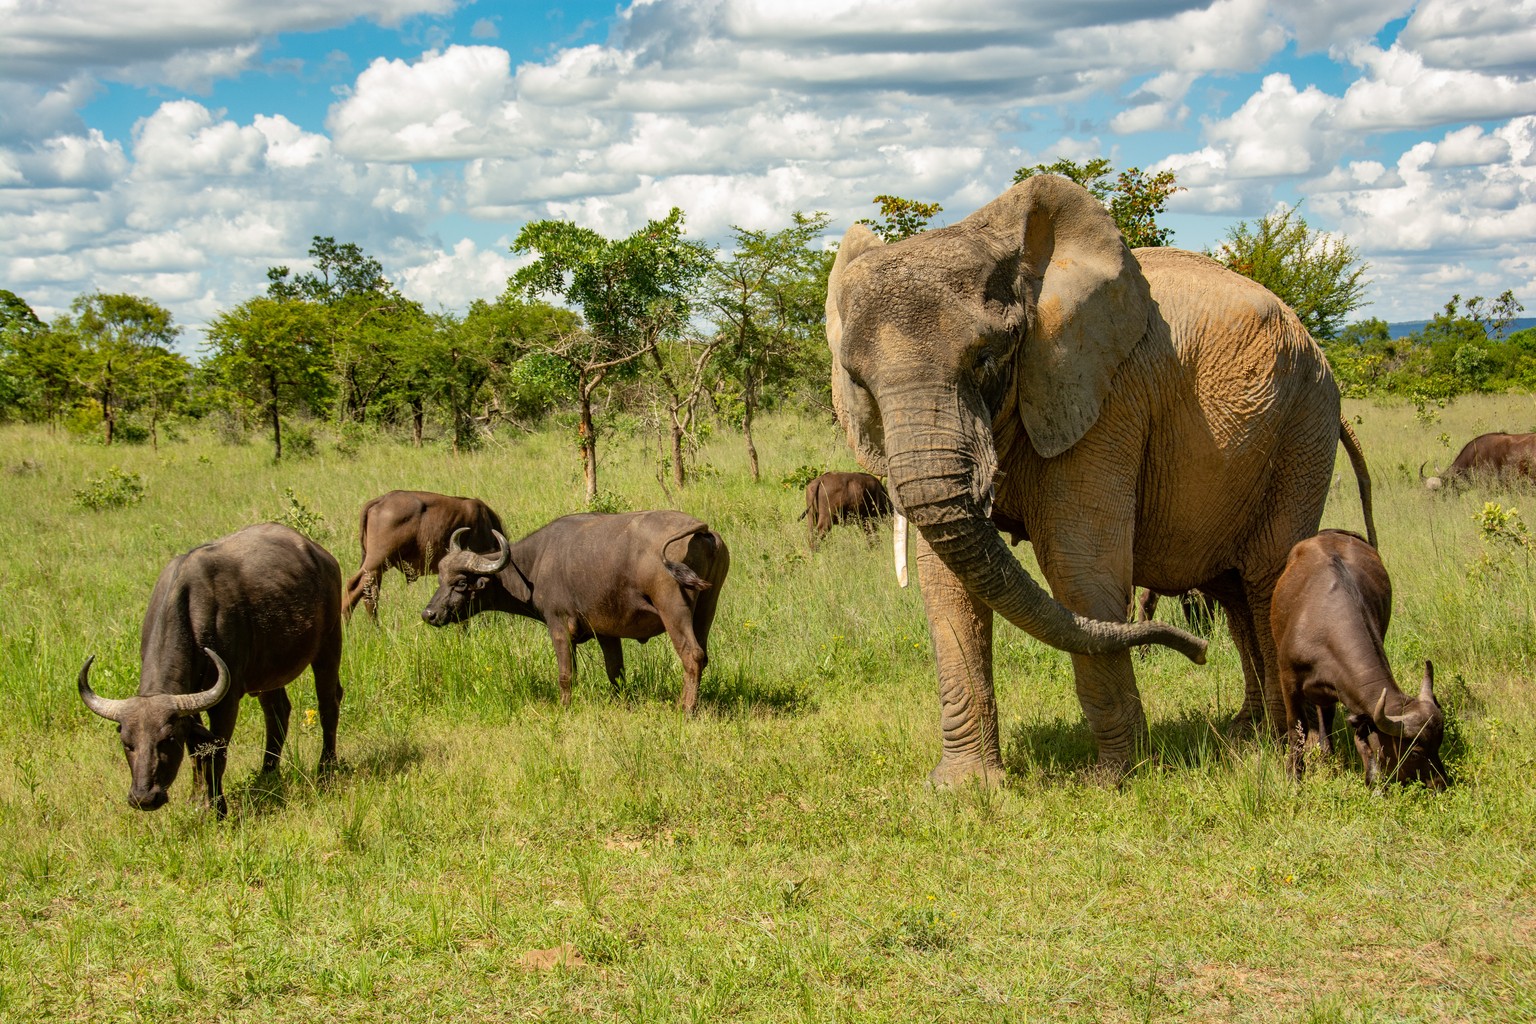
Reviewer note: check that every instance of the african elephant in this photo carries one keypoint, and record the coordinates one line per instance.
(1147, 419)
(838, 497)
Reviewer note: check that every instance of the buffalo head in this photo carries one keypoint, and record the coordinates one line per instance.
(154, 729)
(1404, 747)
(462, 577)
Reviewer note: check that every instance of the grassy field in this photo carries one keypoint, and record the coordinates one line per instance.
(485, 854)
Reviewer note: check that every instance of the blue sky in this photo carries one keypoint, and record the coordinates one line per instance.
(176, 150)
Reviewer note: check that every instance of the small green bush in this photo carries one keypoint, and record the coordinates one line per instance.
(802, 475)
(301, 517)
(299, 442)
(114, 490)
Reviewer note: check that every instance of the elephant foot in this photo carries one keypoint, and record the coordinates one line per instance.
(1106, 773)
(1242, 726)
(953, 772)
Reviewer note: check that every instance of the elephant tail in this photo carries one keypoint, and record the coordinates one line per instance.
(803, 513)
(1362, 475)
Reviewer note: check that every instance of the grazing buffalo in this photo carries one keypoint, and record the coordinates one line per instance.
(244, 614)
(1329, 616)
(634, 575)
(409, 531)
(838, 497)
(1494, 455)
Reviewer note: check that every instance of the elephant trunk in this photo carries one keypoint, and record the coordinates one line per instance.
(934, 473)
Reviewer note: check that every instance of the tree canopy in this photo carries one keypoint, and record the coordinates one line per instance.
(1320, 276)
(1134, 198)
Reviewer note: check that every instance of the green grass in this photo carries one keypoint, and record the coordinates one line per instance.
(777, 858)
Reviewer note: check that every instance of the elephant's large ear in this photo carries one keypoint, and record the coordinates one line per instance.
(855, 407)
(1086, 304)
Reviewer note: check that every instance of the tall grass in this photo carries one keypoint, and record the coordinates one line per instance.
(779, 857)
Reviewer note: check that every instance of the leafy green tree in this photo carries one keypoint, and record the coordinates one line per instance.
(901, 218)
(272, 353)
(1318, 275)
(633, 293)
(768, 302)
(1134, 198)
(114, 332)
(163, 379)
(19, 330)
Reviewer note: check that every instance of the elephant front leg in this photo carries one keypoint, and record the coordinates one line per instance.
(960, 627)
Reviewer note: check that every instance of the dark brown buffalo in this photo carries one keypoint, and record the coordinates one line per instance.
(839, 497)
(409, 531)
(1501, 456)
(1330, 613)
(244, 614)
(633, 575)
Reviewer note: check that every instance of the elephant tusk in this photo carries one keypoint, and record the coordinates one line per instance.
(899, 541)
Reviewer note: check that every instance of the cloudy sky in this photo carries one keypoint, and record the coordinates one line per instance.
(177, 149)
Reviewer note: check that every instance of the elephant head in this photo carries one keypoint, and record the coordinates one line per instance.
(1024, 309)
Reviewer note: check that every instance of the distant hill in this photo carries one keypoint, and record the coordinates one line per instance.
(1408, 327)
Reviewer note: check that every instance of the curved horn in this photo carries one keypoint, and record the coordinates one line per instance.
(490, 568)
(196, 703)
(106, 707)
(1391, 725)
(1427, 688)
(454, 545)
(1421, 468)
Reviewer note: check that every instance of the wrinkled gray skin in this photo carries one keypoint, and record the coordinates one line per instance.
(265, 600)
(838, 497)
(1149, 419)
(608, 577)
(1331, 609)
(1500, 456)
(409, 531)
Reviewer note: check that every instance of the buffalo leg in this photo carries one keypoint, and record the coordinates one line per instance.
(327, 672)
(275, 707)
(215, 753)
(363, 586)
(613, 659)
(560, 635)
(677, 618)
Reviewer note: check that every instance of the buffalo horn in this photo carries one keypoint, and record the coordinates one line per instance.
(1427, 688)
(1391, 725)
(196, 703)
(106, 707)
(487, 567)
(899, 542)
(1421, 468)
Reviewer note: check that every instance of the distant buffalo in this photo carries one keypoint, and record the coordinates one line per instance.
(409, 531)
(595, 576)
(1504, 456)
(244, 614)
(833, 498)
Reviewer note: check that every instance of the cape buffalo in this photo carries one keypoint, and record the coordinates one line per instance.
(1495, 455)
(244, 614)
(409, 531)
(837, 497)
(635, 575)
(1330, 614)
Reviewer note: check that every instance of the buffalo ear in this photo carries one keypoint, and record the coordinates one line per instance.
(1086, 303)
(481, 581)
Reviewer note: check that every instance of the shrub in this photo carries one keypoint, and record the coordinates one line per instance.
(114, 490)
(300, 516)
(299, 442)
(802, 475)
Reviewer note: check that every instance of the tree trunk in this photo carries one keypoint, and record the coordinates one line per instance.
(679, 477)
(277, 424)
(587, 439)
(418, 415)
(748, 402)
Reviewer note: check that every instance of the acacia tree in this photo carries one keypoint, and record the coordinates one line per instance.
(114, 332)
(162, 385)
(633, 293)
(900, 217)
(1318, 275)
(1134, 198)
(768, 301)
(271, 352)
